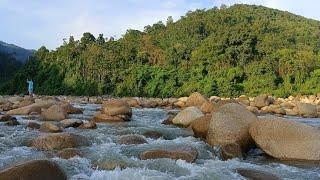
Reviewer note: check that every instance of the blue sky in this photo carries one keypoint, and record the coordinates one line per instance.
(32, 23)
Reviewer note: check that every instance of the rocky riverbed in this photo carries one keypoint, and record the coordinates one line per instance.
(203, 138)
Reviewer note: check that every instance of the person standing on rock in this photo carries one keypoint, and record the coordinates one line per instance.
(30, 87)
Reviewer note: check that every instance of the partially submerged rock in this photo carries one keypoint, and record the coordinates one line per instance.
(230, 126)
(187, 116)
(200, 126)
(186, 153)
(54, 113)
(34, 170)
(66, 123)
(33, 108)
(131, 139)
(50, 128)
(88, 125)
(286, 140)
(256, 174)
(58, 141)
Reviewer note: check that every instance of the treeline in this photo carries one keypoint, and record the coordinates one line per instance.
(242, 49)
(8, 66)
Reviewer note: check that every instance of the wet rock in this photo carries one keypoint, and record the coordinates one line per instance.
(58, 141)
(186, 153)
(104, 118)
(33, 108)
(307, 110)
(69, 109)
(287, 140)
(50, 128)
(196, 99)
(88, 125)
(69, 153)
(187, 116)
(33, 170)
(54, 113)
(116, 107)
(33, 125)
(230, 151)
(168, 120)
(23, 103)
(111, 165)
(4, 118)
(230, 125)
(200, 126)
(12, 122)
(153, 134)
(66, 123)
(131, 139)
(256, 174)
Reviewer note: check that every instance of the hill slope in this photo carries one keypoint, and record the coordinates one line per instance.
(20, 54)
(242, 49)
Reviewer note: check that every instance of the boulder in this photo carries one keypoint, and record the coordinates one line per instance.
(12, 122)
(253, 109)
(49, 128)
(54, 113)
(195, 99)
(58, 141)
(33, 125)
(262, 101)
(168, 120)
(230, 151)
(208, 107)
(66, 123)
(4, 118)
(116, 107)
(104, 118)
(186, 153)
(200, 126)
(244, 100)
(33, 108)
(23, 103)
(131, 139)
(256, 174)
(187, 116)
(133, 102)
(88, 125)
(230, 126)
(15, 99)
(308, 110)
(287, 140)
(69, 153)
(7, 106)
(34, 170)
(153, 134)
(69, 109)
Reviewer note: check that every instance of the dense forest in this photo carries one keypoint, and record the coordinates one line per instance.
(8, 66)
(227, 51)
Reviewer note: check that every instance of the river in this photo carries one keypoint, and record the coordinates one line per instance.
(103, 149)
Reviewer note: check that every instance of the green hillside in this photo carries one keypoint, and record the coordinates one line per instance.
(242, 49)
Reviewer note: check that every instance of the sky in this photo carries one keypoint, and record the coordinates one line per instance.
(33, 23)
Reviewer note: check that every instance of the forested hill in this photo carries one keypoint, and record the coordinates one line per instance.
(242, 49)
(20, 54)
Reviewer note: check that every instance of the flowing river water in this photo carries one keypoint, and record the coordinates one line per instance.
(104, 150)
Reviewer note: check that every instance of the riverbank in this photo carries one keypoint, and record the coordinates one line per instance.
(302, 106)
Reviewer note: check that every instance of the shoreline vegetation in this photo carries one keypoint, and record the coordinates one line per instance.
(227, 52)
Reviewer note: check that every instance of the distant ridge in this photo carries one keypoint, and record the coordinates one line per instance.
(19, 53)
